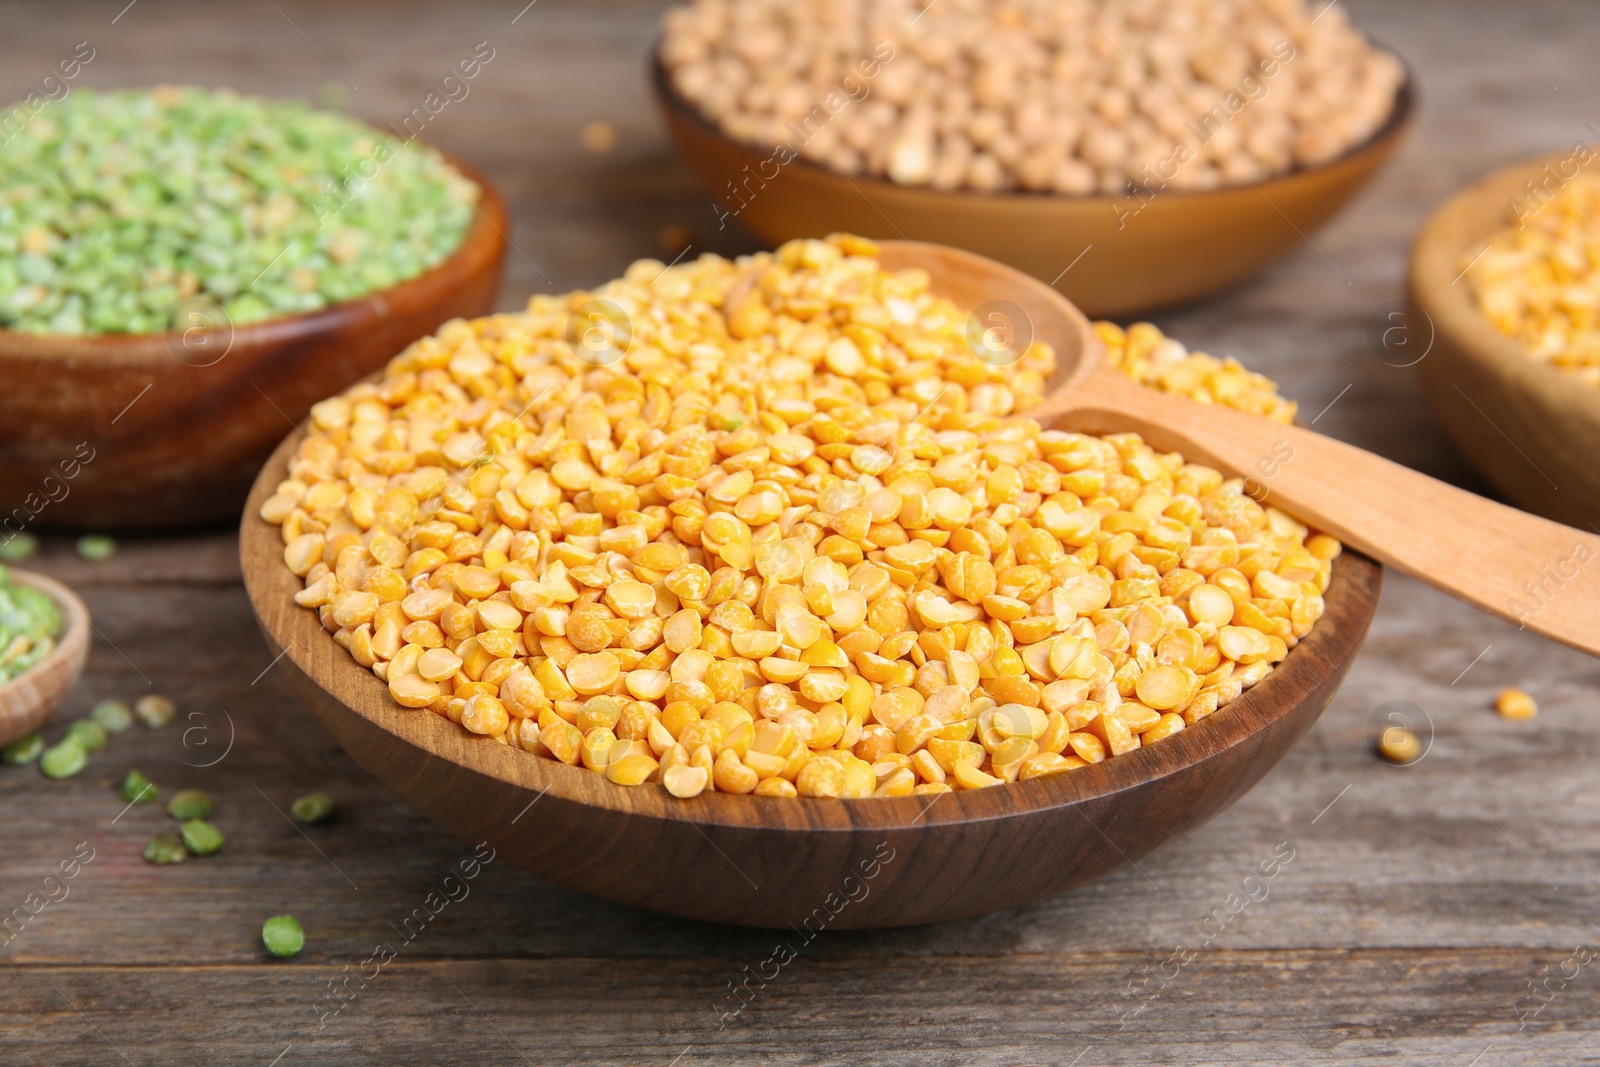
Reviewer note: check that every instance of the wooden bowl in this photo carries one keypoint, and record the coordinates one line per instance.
(1532, 429)
(762, 861)
(27, 700)
(1177, 247)
(165, 430)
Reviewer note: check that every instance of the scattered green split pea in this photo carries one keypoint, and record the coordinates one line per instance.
(113, 715)
(164, 849)
(23, 749)
(200, 837)
(97, 547)
(137, 789)
(18, 547)
(313, 808)
(154, 711)
(283, 936)
(88, 733)
(189, 804)
(63, 759)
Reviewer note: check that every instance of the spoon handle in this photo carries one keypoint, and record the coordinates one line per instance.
(1539, 574)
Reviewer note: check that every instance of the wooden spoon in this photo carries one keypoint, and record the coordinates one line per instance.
(1534, 572)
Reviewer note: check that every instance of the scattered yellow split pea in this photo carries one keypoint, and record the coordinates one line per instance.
(598, 137)
(1399, 745)
(1515, 704)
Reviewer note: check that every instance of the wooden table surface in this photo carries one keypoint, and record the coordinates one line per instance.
(1420, 907)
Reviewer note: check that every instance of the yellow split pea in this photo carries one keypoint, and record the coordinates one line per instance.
(1515, 704)
(1538, 279)
(1399, 745)
(803, 544)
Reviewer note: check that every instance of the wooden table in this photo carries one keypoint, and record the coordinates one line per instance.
(1420, 902)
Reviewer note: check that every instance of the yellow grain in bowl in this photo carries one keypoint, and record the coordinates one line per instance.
(804, 545)
(1538, 280)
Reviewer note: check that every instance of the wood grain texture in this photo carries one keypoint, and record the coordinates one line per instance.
(1157, 250)
(1390, 863)
(1268, 1008)
(166, 430)
(1421, 899)
(29, 699)
(1532, 429)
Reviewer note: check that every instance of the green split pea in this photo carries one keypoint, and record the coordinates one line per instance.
(200, 837)
(30, 622)
(155, 210)
(189, 804)
(283, 936)
(63, 759)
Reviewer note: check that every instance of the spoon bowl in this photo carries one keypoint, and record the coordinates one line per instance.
(807, 863)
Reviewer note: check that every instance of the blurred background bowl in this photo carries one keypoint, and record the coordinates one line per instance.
(145, 431)
(1531, 429)
(28, 700)
(1178, 246)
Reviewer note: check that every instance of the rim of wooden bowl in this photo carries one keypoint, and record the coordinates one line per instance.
(1400, 113)
(1437, 287)
(488, 224)
(28, 700)
(1333, 641)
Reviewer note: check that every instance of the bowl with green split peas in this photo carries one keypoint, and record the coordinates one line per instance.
(44, 643)
(183, 272)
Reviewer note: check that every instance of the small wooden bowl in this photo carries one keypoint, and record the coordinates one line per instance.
(772, 862)
(1177, 247)
(1532, 429)
(27, 700)
(163, 430)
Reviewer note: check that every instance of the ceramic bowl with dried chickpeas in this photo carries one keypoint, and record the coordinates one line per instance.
(1178, 147)
(1502, 327)
(725, 582)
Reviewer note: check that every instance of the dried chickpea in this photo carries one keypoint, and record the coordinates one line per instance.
(1086, 97)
